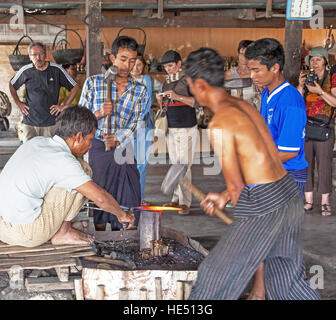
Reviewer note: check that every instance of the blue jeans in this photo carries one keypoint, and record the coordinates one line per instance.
(143, 139)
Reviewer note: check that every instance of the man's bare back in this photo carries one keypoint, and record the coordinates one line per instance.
(248, 154)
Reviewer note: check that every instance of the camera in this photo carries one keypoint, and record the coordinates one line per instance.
(311, 77)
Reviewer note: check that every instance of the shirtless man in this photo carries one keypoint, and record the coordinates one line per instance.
(268, 205)
(45, 183)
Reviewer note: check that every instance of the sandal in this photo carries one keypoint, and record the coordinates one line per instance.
(310, 208)
(145, 203)
(326, 210)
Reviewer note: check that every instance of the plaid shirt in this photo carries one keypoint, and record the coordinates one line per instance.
(130, 107)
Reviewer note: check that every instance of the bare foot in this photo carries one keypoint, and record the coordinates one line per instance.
(80, 225)
(68, 235)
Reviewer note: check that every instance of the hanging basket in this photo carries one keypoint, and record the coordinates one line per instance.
(18, 60)
(67, 56)
(141, 47)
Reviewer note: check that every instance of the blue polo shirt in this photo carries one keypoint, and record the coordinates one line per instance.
(285, 114)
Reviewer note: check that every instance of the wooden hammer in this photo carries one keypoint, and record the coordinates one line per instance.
(175, 176)
(109, 77)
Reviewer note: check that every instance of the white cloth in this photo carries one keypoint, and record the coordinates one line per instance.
(36, 167)
(182, 143)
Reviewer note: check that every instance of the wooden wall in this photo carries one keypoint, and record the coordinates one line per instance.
(186, 40)
(158, 41)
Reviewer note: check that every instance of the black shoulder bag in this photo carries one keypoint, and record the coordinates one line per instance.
(317, 129)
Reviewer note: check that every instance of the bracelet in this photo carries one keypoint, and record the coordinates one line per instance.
(322, 93)
(181, 98)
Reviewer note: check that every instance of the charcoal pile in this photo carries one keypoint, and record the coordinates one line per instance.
(178, 256)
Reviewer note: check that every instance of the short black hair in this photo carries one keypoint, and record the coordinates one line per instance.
(244, 44)
(206, 64)
(267, 51)
(75, 119)
(123, 42)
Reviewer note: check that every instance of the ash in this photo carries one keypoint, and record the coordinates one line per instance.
(179, 257)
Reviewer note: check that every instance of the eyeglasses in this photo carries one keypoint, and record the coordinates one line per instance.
(37, 54)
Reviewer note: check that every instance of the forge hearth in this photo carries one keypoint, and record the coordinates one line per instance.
(178, 266)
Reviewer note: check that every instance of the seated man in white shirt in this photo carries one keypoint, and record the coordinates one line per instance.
(45, 184)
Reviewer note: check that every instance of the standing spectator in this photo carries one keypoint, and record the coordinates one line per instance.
(144, 136)
(319, 97)
(182, 123)
(71, 69)
(43, 80)
(283, 109)
(120, 178)
(250, 94)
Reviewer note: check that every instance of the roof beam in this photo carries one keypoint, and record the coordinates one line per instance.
(167, 5)
(117, 21)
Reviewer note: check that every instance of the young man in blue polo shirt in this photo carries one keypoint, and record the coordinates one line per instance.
(283, 109)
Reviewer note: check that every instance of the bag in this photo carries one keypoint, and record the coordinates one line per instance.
(317, 130)
(160, 124)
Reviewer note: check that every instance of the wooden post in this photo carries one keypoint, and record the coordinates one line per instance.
(79, 289)
(180, 290)
(93, 42)
(187, 289)
(63, 273)
(143, 294)
(123, 293)
(158, 288)
(100, 292)
(293, 44)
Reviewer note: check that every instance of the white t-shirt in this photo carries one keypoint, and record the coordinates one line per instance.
(36, 167)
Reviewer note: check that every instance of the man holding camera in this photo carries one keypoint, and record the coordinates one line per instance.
(182, 123)
(319, 91)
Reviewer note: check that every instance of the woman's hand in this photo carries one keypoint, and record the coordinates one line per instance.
(302, 78)
(315, 89)
(170, 94)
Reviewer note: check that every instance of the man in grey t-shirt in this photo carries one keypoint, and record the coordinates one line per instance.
(43, 81)
(45, 184)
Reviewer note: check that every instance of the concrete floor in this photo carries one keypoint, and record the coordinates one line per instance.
(318, 232)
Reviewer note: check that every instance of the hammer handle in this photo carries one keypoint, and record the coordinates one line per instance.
(201, 196)
(109, 99)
